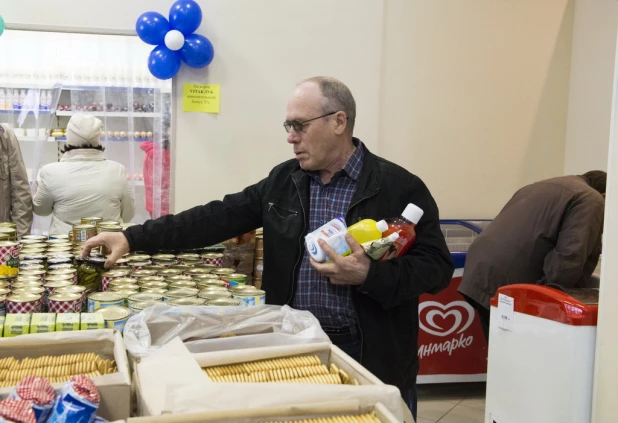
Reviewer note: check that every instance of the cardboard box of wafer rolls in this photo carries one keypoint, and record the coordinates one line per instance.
(100, 354)
(298, 375)
(335, 412)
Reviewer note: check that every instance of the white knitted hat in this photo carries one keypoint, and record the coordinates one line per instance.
(84, 129)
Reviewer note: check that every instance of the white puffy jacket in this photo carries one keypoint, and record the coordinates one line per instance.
(84, 183)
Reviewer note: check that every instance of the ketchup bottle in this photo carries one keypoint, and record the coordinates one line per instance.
(404, 226)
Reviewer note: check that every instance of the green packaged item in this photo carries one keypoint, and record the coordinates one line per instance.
(91, 321)
(16, 324)
(67, 322)
(43, 323)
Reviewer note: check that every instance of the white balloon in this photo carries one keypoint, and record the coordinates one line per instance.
(174, 40)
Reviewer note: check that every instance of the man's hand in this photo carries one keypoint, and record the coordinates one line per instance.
(349, 270)
(116, 242)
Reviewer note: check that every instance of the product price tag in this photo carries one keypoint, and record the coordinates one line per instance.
(506, 310)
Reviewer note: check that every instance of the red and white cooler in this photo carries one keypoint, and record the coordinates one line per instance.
(541, 355)
(451, 345)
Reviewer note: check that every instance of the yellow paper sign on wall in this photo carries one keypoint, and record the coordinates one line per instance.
(200, 98)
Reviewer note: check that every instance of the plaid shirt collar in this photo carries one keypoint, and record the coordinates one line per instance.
(352, 168)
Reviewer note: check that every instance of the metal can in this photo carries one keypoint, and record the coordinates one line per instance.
(125, 294)
(188, 301)
(58, 237)
(8, 234)
(27, 278)
(26, 284)
(99, 300)
(165, 260)
(242, 288)
(74, 289)
(115, 317)
(82, 233)
(38, 273)
(251, 297)
(182, 284)
(199, 272)
(182, 267)
(235, 279)
(211, 295)
(68, 271)
(215, 259)
(206, 278)
(147, 279)
(24, 303)
(5, 284)
(178, 278)
(180, 293)
(109, 276)
(108, 223)
(31, 266)
(59, 278)
(153, 267)
(142, 305)
(189, 258)
(159, 291)
(224, 271)
(2, 305)
(167, 273)
(29, 290)
(122, 263)
(92, 220)
(210, 267)
(9, 258)
(30, 238)
(143, 273)
(223, 302)
(123, 283)
(139, 257)
(50, 287)
(144, 296)
(153, 285)
(64, 303)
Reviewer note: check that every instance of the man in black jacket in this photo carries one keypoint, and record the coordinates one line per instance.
(368, 308)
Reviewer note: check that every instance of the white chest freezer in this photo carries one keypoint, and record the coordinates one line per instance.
(541, 355)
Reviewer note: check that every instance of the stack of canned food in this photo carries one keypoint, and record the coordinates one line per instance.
(47, 274)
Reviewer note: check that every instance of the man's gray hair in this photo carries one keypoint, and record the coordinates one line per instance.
(337, 97)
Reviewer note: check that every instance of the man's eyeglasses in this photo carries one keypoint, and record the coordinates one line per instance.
(299, 126)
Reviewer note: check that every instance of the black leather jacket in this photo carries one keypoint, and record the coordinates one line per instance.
(386, 304)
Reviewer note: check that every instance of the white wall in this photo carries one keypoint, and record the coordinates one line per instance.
(590, 92)
(259, 57)
(475, 96)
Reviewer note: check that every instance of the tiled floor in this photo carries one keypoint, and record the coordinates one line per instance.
(451, 403)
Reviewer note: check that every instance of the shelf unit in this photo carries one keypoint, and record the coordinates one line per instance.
(113, 114)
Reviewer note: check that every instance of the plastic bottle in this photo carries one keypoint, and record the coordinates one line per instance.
(367, 230)
(333, 233)
(8, 100)
(43, 100)
(404, 226)
(16, 104)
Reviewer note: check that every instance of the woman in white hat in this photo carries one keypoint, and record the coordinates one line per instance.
(84, 183)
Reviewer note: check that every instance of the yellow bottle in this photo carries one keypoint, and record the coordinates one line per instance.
(367, 230)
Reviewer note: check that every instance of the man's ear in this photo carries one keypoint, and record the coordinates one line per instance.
(342, 123)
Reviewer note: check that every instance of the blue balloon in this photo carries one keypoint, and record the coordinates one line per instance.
(151, 27)
(185, 16)
(163, 63)
(197, 51)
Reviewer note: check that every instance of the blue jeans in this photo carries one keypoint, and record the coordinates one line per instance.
(409, 394)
